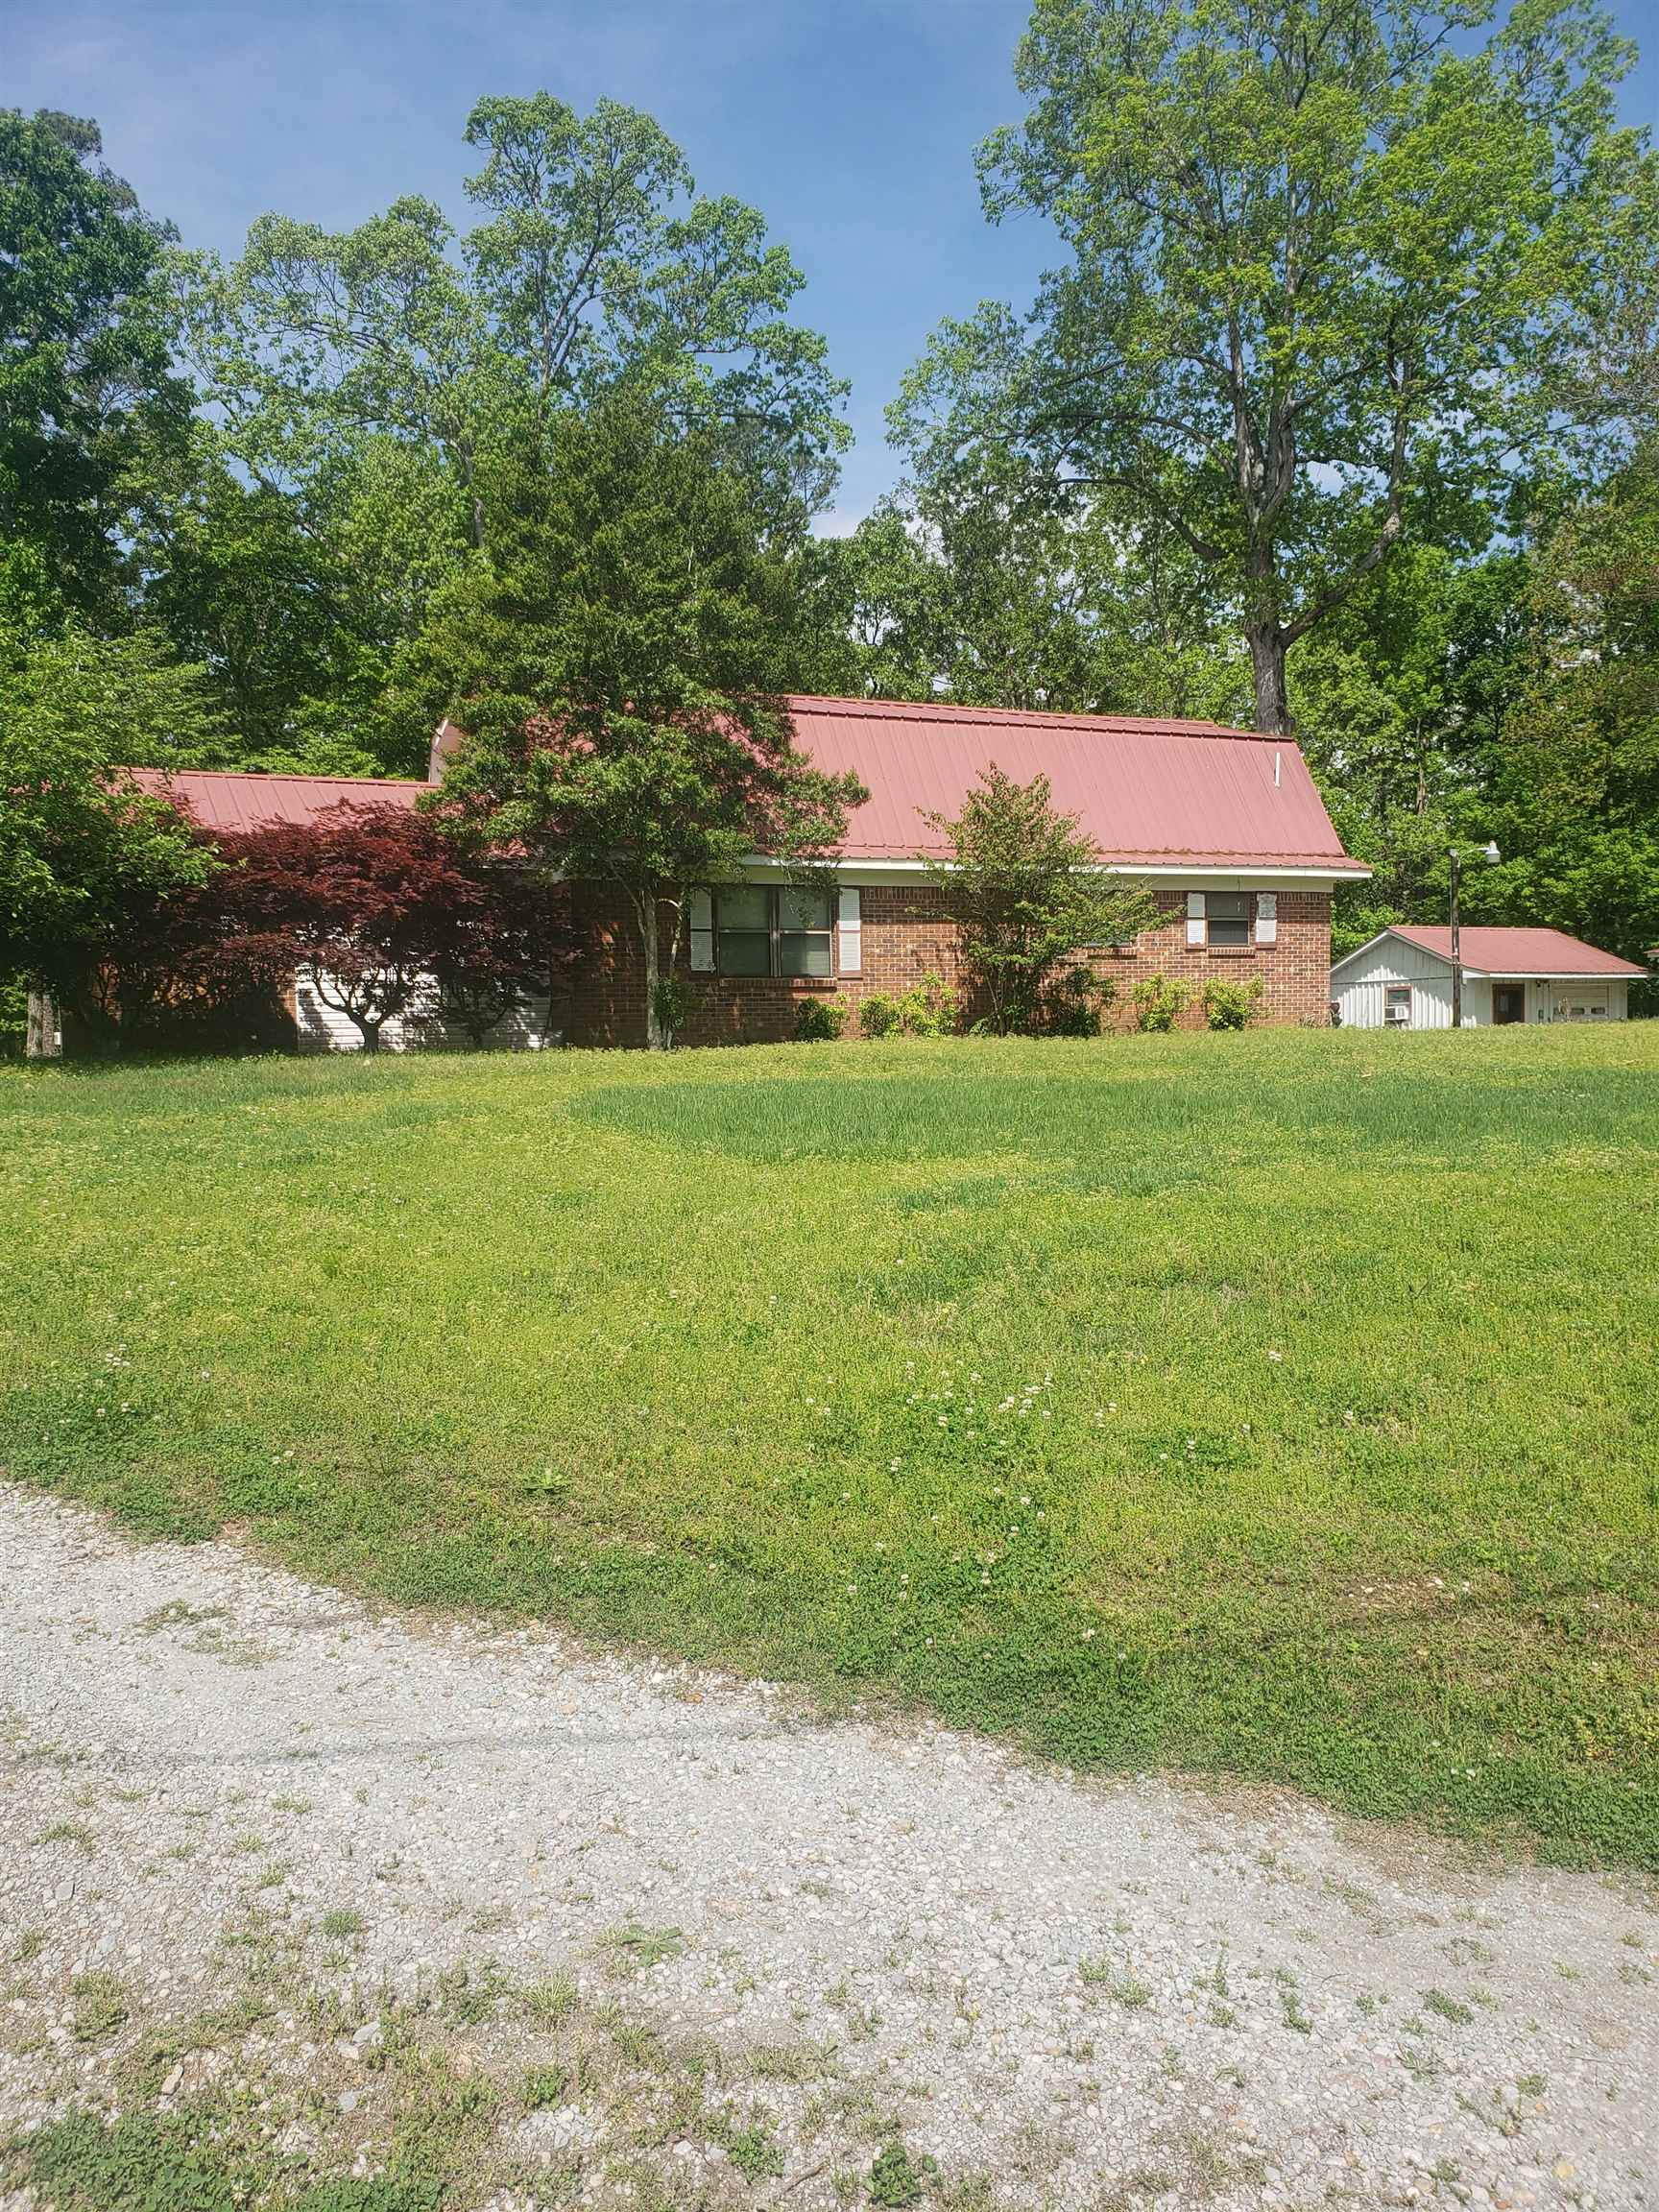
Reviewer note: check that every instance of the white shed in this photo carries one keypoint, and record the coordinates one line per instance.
(1402, 979)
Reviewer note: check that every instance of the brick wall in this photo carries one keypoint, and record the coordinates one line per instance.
(906, 936)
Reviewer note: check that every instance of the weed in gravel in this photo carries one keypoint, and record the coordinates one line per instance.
(74, 1832)
(30, 1945)
(1099, 1974)
(102, 2007)
(543, 2086)
(341, 1924)
(753, 2151)
(636, 1950)
(894, 2179)
(1446, 2008)
(549, 2001)
(1291, 2003)
(795, 2063)
(469, 1997)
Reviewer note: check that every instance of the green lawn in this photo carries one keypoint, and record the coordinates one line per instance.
(1283, 1404)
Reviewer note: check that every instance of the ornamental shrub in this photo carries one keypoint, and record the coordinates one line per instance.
(1232, 1005)
(928, 1009)
(1075, 1003)
(819, 1021)
(1158, 1002)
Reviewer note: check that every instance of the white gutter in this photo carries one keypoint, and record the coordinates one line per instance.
(902, 871)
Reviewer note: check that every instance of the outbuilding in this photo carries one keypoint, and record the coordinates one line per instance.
(1402, 979)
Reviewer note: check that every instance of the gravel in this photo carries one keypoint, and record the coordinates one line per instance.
(1059, 1991)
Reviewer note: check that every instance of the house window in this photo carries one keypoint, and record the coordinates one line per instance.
(1397, 1005)
(1228, 916)
(761, 931)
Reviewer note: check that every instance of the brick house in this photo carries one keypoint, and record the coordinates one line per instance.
(1226, 829)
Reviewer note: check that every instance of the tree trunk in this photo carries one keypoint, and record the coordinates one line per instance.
(657, 1039)
(1268, 672)
(41, 1036)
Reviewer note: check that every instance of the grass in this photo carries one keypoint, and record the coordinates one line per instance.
(1279, 1405)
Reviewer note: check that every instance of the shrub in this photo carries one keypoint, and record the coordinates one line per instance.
(1075, 1001)
(819, 1021)
(1158, 1002)
(1232, 1005)
(1024, 888)
(928, 1009)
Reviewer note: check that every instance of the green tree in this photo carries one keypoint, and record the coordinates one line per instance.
(987, 595)
(80, 844)
(87, 390)
(1570, 786)
(1323, 262)
(595, 259)
(614, 655)
(1027, 891)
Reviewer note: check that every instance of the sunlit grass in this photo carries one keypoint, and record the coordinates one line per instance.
(1281, 1403)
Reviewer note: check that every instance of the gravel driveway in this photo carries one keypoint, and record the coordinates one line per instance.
(362, 1887)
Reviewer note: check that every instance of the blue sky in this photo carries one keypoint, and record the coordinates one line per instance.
(851, 125)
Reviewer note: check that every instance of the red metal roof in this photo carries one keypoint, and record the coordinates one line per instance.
(233, 799)
(1518, 952)
(1146, 791)
(1156, 792)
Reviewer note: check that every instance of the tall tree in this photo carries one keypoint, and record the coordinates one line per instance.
(81, 842)
(991, 597)
(615, 656)
(88, 388)
(596, 259)
(1323, 259)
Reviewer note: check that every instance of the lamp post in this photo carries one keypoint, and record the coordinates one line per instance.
(1489, 854)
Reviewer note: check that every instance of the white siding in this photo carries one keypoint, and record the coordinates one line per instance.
(321, 1029)
(1358, 988)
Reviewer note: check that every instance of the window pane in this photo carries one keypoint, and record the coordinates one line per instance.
(1229, 917)
(743, 906)
(745, 952)
(799, 953)
(803, 910)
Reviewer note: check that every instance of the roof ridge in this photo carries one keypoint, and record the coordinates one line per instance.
(274, 775)
(1146, 725)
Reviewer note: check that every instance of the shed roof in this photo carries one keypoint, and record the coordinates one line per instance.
(1147, 791)
(1512, 952)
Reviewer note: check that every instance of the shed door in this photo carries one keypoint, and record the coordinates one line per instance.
(1509, 1003)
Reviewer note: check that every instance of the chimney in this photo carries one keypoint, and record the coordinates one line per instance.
(446, 739)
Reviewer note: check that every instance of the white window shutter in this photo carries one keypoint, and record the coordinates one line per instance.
(1266, 917)
(702, 933)
(1195, 916)
(848, 914)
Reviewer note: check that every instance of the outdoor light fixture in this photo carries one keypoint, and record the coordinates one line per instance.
(1490, 855)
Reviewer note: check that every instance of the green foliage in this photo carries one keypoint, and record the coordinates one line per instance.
(1354, 298)
(616, 668)
(1024, 889)
(1160, 1003)
(82, 846)
(544, 2087)
(1075, 1001)
(138, 2163)
(1230, 1005)
(87, 391)
(928, 1008)
(819, 1021)
(1256, 1383)
(894, 2179)
(374, 401)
